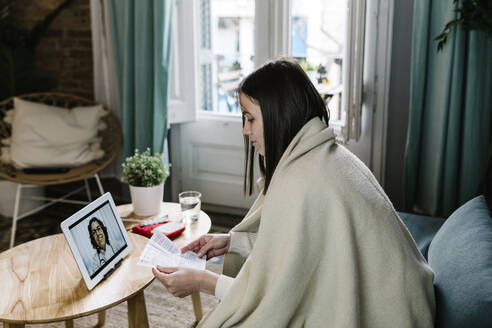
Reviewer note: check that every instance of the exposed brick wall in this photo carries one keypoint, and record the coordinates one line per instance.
(65, 51)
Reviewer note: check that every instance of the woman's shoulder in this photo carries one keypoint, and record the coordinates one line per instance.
(334, 168)
(325, 160)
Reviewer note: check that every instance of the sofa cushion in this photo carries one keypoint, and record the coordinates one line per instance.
(422, 228)
(461, 257)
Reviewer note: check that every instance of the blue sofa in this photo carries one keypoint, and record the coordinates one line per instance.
(459, 251)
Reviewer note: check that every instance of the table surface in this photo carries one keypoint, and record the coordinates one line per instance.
(173, 210)
(41, 281)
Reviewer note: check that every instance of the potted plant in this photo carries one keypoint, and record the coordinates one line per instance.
(145, 174)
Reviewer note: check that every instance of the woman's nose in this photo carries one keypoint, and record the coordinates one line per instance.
(246, 129)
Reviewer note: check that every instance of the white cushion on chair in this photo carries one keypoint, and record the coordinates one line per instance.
(49, 136)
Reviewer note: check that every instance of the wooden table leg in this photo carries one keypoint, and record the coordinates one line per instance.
(13, 325)
(101, 318)
(137, 312)
(69, 323)
(197, 306)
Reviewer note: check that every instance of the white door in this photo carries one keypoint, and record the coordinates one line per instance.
(207, 148)
(212, 154)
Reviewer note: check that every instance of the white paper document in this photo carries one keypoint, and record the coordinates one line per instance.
(160, 250)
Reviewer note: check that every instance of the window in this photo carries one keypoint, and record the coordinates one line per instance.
(317, 41)
(316, 37)
(226, 51)
(232, 37)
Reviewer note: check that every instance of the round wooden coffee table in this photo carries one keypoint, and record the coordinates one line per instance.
(41, 281)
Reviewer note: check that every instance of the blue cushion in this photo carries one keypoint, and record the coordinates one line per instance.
(422, 228)
(461, 257)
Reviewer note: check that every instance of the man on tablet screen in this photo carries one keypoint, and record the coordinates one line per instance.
(100, 241)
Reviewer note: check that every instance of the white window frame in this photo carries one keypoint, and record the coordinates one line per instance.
(376, 78)
(183, 89)
(272, 33)
(353, 65)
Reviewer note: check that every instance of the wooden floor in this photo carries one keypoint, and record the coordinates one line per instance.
(47, 222)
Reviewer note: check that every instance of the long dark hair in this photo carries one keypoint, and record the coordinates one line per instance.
(288, 100)
(103, 227)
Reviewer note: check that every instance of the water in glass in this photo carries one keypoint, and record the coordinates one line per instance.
(190, 206)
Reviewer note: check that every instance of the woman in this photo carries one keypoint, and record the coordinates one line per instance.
(324, 246)
(99, 241)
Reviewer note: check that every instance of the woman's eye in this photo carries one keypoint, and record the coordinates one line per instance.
(248, 118)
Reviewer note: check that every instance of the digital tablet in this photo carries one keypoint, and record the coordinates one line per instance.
(97, 238)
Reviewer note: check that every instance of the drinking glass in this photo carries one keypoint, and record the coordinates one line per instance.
(190, 202)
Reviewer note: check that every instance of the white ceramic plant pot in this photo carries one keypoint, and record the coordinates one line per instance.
(147, 200)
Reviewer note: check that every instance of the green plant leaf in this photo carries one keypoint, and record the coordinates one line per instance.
(472, 15)
(144, 169)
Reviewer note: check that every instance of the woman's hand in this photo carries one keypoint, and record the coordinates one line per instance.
(210, 244)
(182, 282)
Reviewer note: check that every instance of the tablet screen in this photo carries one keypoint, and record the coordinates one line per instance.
(98, 238)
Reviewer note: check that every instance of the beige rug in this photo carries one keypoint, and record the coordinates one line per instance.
(163, 309)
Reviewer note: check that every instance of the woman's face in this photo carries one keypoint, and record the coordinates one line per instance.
(98, 234)
(253, 122)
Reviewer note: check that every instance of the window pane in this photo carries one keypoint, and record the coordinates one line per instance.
(317, 42)
(229, 25)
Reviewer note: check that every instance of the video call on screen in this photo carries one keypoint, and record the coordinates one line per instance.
(98, 238)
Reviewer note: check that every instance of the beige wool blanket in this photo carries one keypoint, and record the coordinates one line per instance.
(330, 249)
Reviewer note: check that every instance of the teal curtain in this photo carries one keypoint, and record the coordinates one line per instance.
(450, 112)
(142, 45)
